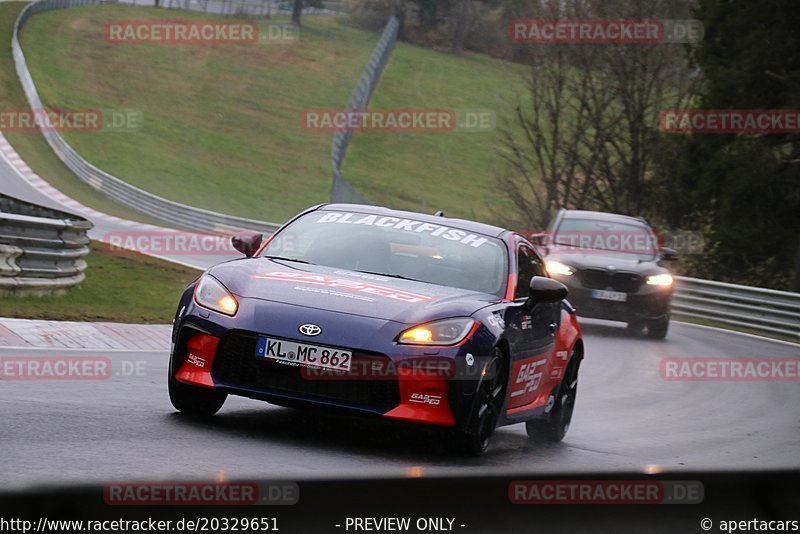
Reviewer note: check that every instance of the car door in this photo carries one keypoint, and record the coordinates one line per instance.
(532, 338)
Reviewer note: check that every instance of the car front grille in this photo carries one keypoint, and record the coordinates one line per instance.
(236, 365)
(594, 278)
(626, 282)
(600, 279)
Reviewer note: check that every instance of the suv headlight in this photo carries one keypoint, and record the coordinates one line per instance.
(444, 332)
(663, 280)
(556, 267)
(211, 294)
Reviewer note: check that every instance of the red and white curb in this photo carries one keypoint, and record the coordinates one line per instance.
(31, 334)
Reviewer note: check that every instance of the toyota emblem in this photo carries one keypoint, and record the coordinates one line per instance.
(310, 330)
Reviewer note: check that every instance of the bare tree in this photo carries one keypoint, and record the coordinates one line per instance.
(544, 144)
(587, 136)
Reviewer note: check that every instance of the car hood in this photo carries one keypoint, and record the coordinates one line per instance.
(599, 259)
(344, 291)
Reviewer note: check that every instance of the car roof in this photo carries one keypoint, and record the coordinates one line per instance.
(460, 224)
(602, 216)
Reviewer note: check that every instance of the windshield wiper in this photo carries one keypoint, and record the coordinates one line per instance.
(295, 260)
(400, 276)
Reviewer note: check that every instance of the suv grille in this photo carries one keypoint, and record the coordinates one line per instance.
(599, 279)
(626, 282)
(237, 365)
(594, 278)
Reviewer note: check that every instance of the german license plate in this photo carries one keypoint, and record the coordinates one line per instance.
(303, 354)
(616, 296)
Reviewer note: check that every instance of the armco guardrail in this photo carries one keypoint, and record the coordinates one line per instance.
(174, 213)
(341, 190)
(244, 8)
(766, 311)
(41, 250)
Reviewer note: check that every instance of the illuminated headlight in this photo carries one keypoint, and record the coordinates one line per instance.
(446, 332)
(211, 294)
(556, 267)
(659, 280)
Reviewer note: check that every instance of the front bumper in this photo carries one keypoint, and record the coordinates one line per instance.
(428, 385)
(647, 303)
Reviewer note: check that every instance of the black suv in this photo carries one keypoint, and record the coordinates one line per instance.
(613, 266)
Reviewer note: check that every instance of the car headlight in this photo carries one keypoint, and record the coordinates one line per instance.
(556, 267)
(445, 332)
(211, 294)
(659, 280)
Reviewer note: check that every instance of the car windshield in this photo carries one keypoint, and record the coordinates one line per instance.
(394, 247)
(608, 237)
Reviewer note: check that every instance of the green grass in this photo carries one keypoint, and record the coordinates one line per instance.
(222, 126)
(127, 288)
(31, 145)
(221, 123)
(452, 171)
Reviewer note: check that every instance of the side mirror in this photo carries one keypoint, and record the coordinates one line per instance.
(247, 243)
(545, 291)
(669, 254)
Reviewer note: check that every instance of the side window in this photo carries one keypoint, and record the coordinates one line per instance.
(528, 266)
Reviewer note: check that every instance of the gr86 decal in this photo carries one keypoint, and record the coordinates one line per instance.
(526, 377)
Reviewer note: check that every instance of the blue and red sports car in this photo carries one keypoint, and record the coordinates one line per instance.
(404, 316)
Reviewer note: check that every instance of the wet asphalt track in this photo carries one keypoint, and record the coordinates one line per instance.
(627, 419)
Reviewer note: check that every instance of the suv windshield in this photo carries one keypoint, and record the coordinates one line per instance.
(394, 247)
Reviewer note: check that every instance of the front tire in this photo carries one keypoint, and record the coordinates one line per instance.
(195, 400)
(555, 425)
(491, 397)
(657, 328)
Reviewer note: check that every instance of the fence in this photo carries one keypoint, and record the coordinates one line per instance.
(341, 190)
(246, 8)
(174, 213)
(765, 311)
(41, 250)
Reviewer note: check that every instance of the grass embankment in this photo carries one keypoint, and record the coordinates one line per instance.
(124, 288)
(222, 123)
